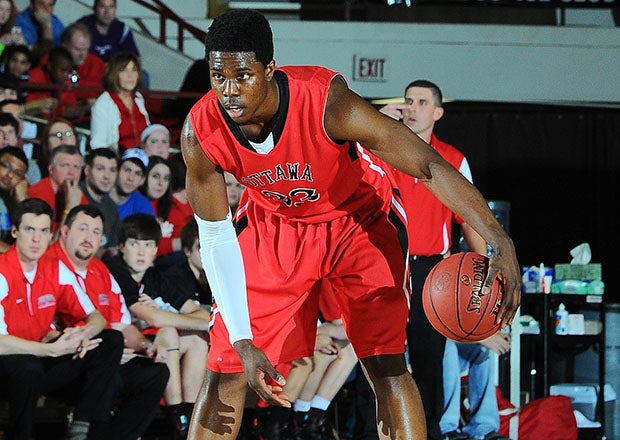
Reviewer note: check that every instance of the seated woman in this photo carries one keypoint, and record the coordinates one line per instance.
(119, 114)
(57, 131)
(156, 140)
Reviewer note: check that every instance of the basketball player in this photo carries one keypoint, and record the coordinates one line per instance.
(429, 229)
(316, 207)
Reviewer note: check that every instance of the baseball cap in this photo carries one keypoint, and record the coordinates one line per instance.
(136, 153)
(151, 128)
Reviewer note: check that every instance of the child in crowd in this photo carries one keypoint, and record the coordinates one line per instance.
(176, 323)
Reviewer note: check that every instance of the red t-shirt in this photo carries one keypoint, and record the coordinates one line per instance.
(39, 75)
(28, 310)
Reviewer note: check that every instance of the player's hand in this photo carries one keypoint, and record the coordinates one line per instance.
(394, 111)
(257, 368)
(499, 343)
(503, 265)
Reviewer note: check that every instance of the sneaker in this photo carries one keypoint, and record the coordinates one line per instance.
(455, 435)
(317, 428)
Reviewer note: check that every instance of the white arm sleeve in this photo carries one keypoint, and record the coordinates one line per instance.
(223, 265)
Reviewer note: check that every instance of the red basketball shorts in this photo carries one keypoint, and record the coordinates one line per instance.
(363, 258)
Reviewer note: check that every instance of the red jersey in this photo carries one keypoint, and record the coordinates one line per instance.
(429, 228)
(180, 214)
(306, 177)
(28, 308)
(100, 286)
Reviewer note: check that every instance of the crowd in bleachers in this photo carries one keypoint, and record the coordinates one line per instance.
(87, 179)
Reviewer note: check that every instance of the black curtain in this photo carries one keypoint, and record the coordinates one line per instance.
(558, 166)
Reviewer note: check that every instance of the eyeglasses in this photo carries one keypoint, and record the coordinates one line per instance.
(60, 134)
(17, 173)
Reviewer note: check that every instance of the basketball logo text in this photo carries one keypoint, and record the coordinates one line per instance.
(475, 300)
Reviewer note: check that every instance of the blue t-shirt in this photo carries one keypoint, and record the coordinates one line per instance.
(136, 203)
(31, 29)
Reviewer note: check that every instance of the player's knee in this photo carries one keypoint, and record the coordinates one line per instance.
(384, 366)
(168, 337)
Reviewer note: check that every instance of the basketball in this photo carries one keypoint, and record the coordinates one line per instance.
(453, 299)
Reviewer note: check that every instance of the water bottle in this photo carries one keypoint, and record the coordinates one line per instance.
(561, 320)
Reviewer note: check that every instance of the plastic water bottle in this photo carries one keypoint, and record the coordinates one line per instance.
(561, 320)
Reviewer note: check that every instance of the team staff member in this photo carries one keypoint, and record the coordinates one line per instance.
(143, 381)
(429, 230)
(36, 359)
(316, 208)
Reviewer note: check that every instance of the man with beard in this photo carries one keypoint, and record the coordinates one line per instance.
(36, 357)
(143, 381)
(131, 176)
(99, 178)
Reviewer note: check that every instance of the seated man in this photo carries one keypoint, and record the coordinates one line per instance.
(109, 34)
(484, 414)
(131, 176)
(188, 275)
(60, 189)
(13, 187)
(178, 325)
(100, 174)
(36, 359)
(40, 27)
(143, 381)
(55, 76)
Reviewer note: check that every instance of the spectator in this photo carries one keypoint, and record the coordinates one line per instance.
(233, 191)
(157, 189)
(76, 39)
(58, 131)
(178, 324)
(194, 81)
(143, 381)
(109, 34)
(57, 74)
(40, 27)
(180, 213)
(8, 130)
(60, 189)
(9, 86)
(9, 33)
(26, 131)
(36, 359)
(13, 187)
(119, 114)
(17, 60)
(100, 175)
(156, 140)
(478, 361)
(131, 176)
(188, 275)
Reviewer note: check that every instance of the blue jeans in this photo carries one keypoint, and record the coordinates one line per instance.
(459, 357)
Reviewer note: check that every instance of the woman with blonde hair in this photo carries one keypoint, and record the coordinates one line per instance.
(119, 114)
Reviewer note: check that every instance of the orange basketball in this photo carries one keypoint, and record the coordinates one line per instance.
(453, 300)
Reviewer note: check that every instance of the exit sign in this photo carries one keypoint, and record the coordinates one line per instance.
(369, 68)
